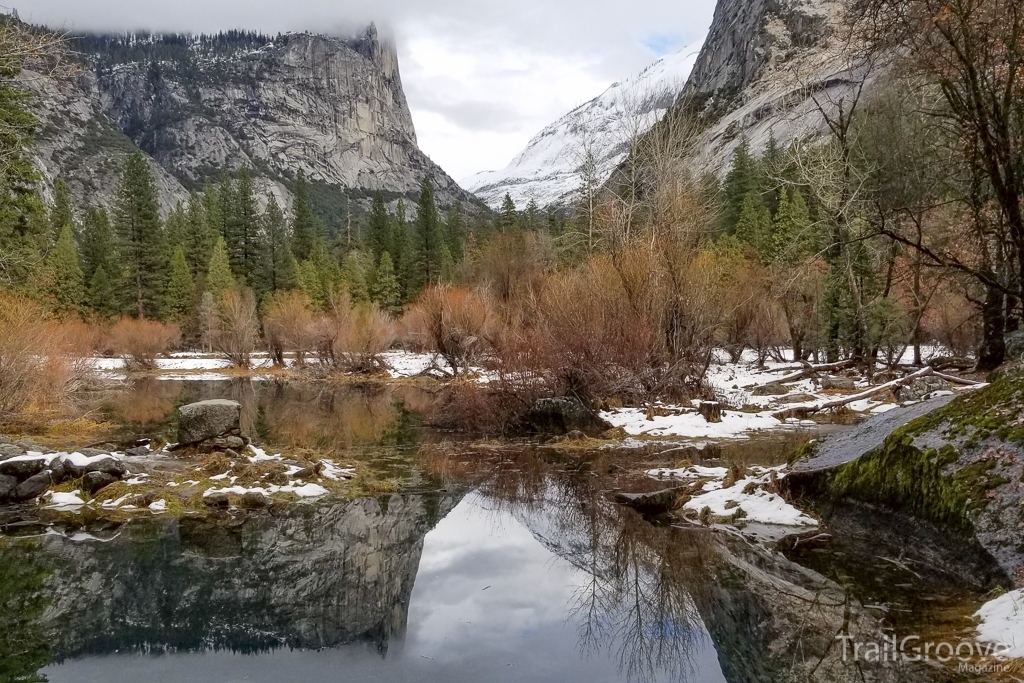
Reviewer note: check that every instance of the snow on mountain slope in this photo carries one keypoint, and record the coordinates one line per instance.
(546, 170)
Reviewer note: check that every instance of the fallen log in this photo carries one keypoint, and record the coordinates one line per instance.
(807, 370)
(873, 391)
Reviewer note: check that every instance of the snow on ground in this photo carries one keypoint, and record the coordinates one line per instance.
(63, 500)
(407, 363)
(1002, 624)
(748, 494)
(302, 491)
(690, 424)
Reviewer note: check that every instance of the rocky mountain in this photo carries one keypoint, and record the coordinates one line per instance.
(763, 70)
(767, 69)
(547, 170)
(333, 108)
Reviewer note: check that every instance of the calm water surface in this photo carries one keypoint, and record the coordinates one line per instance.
(492, 562)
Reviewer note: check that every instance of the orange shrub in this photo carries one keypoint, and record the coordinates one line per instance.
(354, 338)
(289, 326)
(40, 360)
(453, 322)
(237, 331)
(140, 342)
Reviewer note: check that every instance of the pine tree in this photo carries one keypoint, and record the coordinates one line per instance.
(61, 213)
(214, 215)
(104, 294)
(278, 261)
(218, 273)
(455, 230)
(428, 240)
(354, 277)
(242, 230)
(199, 237)
(446, 269)
(176, 227)
(379, 238)
(138, 225)
(97, 240)
(179, 291)
(755, 225)
(531, 216)
(741, 179)
(305, 228)
(65, 283)
(508, 217)
(386, 292)
(791, 228)
(403, 254)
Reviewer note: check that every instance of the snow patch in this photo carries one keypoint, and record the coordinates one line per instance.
(1002, 624)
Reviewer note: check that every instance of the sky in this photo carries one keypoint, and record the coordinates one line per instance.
(482, 76)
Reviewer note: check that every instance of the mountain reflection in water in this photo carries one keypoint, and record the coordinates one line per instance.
(330, 594)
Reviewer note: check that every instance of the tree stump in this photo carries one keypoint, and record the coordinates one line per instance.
(711, 411)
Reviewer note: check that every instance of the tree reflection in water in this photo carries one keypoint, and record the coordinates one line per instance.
(637, 599)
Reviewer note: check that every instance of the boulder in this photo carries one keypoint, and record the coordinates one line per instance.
(91, 452)
(771, 389)
(94, 481)
(840, 383)
(216, 500)
(228, 442)
(207, 420)
(254, 500)
(7, 486)
(920, 388)
(653, 503)
(33, 487)
(138, 451)
(60, 471)
(1015, 345)
(9, 450)
(22, 469)
(111, 466)
(562, 415)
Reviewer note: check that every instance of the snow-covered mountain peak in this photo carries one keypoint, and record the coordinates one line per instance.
(546, 171)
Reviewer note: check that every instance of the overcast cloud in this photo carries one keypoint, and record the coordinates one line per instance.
(482, 77)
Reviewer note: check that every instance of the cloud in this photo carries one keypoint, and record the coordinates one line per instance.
(481, 77)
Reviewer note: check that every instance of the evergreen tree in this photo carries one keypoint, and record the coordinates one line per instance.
(225, 194)
(213, 213)
(508, 217)
(176, 227)
(740, 181)
(446, 269)
(305, 228)
(179, 291)
(531, 216)
(428, 239)
(242, 227)
(353, 275)
(791, 239)
(218, 272)
(199, 237)
(754, 226)
(386, 291)
(98, 242)
(379, 238)
(455, 230)
(138, 225)
(104, 294)
(61, 213)
(66, 285)
(278, 261)
(403, 253)
(319, 275)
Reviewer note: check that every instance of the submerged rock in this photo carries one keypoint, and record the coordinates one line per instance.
(207, 420)
(653, 503)
(562, 415)
(957, 463)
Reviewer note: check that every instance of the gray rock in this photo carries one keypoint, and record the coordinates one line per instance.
(9, 450)
(254, 500)
(653, 503)
(920, 388)
(229, 442)
(840, 383)
(796, 398)
(30, 445)
(1015, 345)
(4, 440)
(216, 500)
(304, 473)
(60, 471)
(138, 451)
(207, 420)
(111, 466)
(22, 469)
(94, 481)
(91, 452)
(562, 415)
(7, 486)
(33, 487)
(772, 389)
